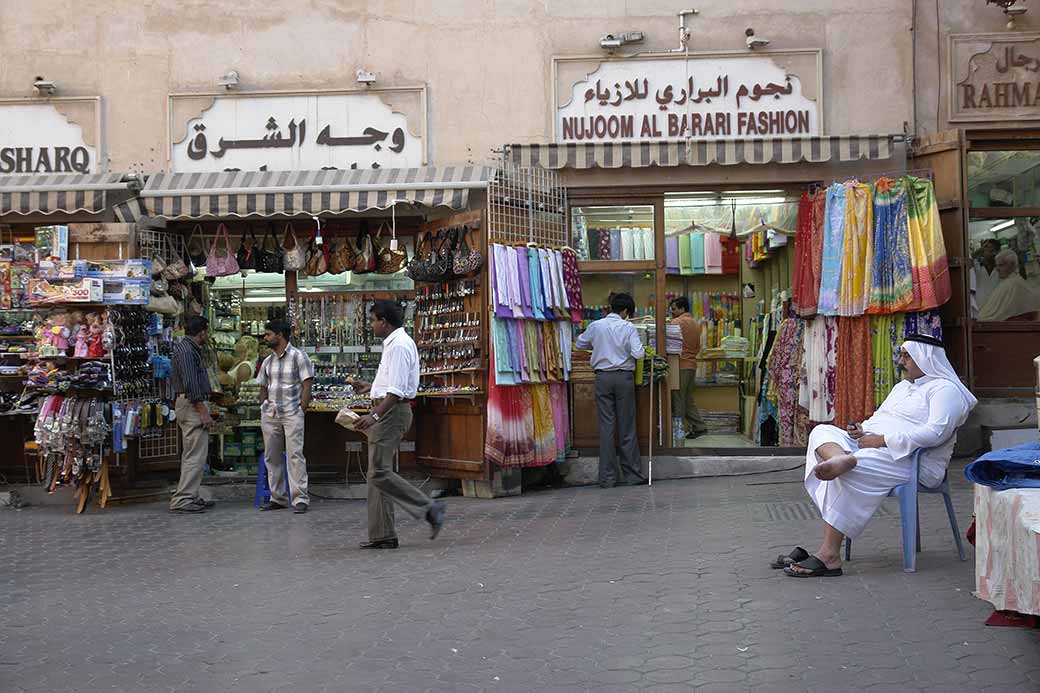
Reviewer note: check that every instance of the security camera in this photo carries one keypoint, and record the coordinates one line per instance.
(229, 81)
(366, 78)
(753, 41)
(612, 41)
(1016, 11)
(43, 87)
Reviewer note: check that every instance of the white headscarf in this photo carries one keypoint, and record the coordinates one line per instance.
(933, 362)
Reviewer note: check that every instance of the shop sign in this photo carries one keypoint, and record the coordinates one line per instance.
(297, 132)
(702, 97)
(37, 138)
(994, 77)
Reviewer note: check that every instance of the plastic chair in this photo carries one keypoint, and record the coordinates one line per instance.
(910, 519)
(263, 490)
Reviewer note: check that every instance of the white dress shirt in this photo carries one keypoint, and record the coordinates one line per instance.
(614, 342)
(398, 372)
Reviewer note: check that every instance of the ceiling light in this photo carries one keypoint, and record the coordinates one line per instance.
(1002, 225)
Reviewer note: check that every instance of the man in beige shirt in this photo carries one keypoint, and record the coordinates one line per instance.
(683, 405)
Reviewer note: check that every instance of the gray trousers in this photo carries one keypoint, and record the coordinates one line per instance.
(385, 486)
(193, 458)
(619, 460)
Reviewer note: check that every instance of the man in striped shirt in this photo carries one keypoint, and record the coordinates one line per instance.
(285, 393)
(191, 385)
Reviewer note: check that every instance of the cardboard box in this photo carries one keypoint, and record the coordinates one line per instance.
(78, 291)
(56, 269)
(119, 269)
(128, 292)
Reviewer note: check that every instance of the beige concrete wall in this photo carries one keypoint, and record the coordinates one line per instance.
(935, 21)
(487, 62)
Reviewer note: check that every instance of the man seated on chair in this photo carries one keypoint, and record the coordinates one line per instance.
(848, 473)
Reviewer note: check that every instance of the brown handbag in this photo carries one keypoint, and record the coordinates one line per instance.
(465, 260)
(341, 256)
(317, 263)
(365, 261)
(388, 261)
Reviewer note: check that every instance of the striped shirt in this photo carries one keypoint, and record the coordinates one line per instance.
(189, 373)
(283, 377)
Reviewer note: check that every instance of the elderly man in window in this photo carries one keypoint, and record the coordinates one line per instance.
(848, 473)
(1013, 298)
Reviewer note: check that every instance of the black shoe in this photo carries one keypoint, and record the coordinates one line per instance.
(190, 508)
(607, 484)
(299, 508)
(638, 482)
(203, 503)
(695, 434)
(272, 506)
(380, 544)
(435, 516)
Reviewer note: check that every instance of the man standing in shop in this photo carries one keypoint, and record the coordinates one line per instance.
(392, 392)
(285, 393)
(615, 347)
(684, 405)
(191, 385)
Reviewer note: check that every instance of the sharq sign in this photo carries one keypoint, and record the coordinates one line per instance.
(37, 138)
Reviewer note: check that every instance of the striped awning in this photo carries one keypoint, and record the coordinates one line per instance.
(53, 193)
(580, 155)
(292, 193)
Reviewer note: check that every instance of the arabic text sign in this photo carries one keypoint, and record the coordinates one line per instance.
(36, 138)
(994, 77)
(297, 132)
(698, 97)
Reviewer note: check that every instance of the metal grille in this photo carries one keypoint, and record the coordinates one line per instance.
(167, 444)
(794, 512)
(527, 205)
(155, 243)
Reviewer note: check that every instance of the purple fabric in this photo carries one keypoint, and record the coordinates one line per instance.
(671, 254)
(525, 283)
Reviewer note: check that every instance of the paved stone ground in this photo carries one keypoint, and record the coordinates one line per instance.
(579, 589)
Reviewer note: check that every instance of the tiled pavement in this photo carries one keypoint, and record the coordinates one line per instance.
(664, 588)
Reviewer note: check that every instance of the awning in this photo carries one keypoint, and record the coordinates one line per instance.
(296, 193)
(700, 152)
(52, 193)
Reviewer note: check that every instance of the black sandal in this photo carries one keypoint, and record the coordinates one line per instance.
(816, 567)
(798, 554)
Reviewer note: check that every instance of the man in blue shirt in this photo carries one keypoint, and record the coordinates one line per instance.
(615, 347)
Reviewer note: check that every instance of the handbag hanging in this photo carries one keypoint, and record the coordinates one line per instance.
(417, 266)
(365, 261)
(196, 247)
(317, 262)
(245, 256)
(294, 253)
(388, 261)
(221, 265)
(175, 269)
(272, 255)
(341, 255)
(464, 260)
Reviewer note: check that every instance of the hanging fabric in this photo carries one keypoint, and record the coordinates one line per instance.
(927, 248)
(857, 251)
(854, 391)
(833, 243)
(892, 282)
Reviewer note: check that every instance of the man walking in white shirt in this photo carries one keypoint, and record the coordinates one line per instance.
(392, 393)
(615, 347)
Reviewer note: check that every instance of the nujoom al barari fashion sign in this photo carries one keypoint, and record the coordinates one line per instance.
(695, 97)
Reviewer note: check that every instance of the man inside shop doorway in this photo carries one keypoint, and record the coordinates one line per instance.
(285, 393)
(615, 347)
(683, 405)
(392, 393)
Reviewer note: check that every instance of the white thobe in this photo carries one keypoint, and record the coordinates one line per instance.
(921, 414)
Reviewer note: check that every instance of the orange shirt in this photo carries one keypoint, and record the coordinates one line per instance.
(691, 340)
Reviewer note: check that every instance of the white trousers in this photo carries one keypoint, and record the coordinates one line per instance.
(848, 502)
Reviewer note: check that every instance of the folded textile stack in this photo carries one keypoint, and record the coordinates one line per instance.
(721, 421)
(673, 339)
(735, 347)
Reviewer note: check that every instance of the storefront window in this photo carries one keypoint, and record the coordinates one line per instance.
(622, 232)
(1006, 274)
(1004, 178)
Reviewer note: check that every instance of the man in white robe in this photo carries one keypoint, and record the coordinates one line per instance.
(848, 473)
